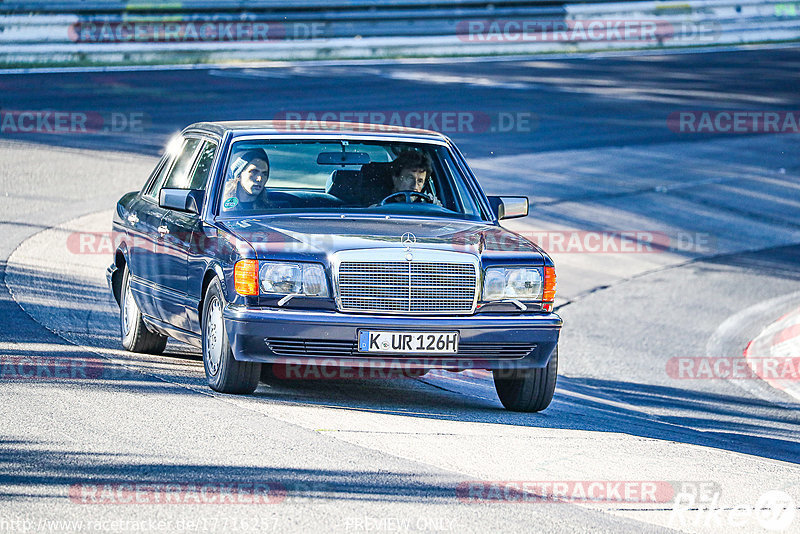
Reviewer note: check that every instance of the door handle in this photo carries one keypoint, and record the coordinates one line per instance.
(163, 230)
(133, 219)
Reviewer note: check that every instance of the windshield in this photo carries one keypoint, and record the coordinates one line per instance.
(265, 177)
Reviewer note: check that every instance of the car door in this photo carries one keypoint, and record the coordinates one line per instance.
(160, 267)
(141, 223)
(183, 244)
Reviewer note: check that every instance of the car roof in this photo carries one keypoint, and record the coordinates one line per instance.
(316, 128)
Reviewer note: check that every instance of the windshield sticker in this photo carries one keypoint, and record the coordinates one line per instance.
(230, 203)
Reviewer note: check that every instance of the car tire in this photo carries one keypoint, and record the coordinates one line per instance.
(136, 337)
(527, 390)
(224, 373)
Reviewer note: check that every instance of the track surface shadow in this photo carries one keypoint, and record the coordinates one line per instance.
(726, 422)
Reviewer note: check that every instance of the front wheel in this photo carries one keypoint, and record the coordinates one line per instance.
(136, 337)
(223, 372)
(527, 390)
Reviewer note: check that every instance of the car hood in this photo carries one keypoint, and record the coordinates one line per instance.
(281, 236)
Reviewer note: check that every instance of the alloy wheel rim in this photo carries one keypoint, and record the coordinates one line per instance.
(128, 310)
(213, 334)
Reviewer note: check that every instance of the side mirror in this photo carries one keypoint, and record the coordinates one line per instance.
(189, 200)
(509, 207)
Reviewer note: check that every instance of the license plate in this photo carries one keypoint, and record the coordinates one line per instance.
(408, 342)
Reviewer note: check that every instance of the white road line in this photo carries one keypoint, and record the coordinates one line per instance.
(764, 346)
(718, 344)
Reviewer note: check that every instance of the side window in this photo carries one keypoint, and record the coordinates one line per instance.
(174, 168)
(199, 177)
(155, 185)
(178, 177)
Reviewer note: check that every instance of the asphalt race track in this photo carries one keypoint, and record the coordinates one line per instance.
(591, 142)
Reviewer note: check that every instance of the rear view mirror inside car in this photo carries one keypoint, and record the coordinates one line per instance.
(343, 158)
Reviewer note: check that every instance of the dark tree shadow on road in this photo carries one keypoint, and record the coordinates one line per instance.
(734, 423)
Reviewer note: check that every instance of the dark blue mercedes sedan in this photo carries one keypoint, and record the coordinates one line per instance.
(274, 244)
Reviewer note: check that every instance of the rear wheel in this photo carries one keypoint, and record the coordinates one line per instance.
(224, 373)
(527, 390)
(135, 335)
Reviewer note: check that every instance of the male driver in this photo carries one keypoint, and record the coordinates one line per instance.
(410, 171)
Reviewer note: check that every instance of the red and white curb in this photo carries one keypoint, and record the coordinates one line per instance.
(774, 356)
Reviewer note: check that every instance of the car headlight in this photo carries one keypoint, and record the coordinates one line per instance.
(520, 283)
(293, 278)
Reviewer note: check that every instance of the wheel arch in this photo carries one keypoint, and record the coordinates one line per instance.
(120, 261)
(214, 270)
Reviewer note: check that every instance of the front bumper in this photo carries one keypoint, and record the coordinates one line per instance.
(329, 338)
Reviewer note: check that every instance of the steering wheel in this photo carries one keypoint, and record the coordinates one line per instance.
(407, 196)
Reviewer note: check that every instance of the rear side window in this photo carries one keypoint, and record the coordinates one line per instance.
(202, 169)
(178, 177)
(155, 184)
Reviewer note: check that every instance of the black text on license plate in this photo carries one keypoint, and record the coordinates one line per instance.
(408, 342)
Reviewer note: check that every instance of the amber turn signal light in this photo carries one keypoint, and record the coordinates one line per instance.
(549, 293)
(245, 277)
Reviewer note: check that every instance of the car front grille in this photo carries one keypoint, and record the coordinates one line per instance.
(349, 349)
(407, 287)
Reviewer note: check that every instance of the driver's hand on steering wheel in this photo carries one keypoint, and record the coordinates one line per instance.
(408, 196)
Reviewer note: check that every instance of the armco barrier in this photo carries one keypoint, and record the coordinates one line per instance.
(211, 31)
(218, 6)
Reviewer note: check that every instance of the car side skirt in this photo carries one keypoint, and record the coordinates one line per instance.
(166, 329)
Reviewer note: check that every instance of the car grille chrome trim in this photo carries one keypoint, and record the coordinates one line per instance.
(432, 283)
(349, 349)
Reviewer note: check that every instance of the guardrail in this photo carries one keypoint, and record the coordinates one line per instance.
(124, 32)
(120, 6)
